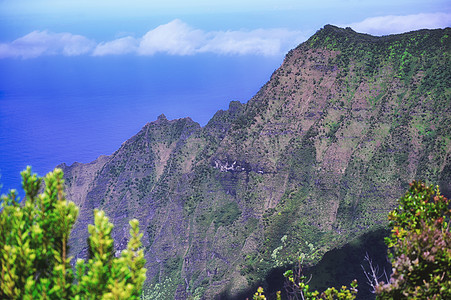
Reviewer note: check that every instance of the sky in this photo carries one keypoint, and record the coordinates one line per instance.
(79, 77)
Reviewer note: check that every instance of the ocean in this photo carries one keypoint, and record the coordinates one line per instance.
(58, 109)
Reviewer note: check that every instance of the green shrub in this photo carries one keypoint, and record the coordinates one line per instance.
(34, 262)
(298, 286)
(420, 246)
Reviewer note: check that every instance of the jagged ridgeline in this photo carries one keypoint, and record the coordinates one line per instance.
(315, 159)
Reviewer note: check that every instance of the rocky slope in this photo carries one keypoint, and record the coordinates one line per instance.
(316, 158)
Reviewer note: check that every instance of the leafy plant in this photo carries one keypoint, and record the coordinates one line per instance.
(420, 246)
(297, 287)
(34, 261)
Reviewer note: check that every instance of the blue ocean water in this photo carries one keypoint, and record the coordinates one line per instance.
(64, 109)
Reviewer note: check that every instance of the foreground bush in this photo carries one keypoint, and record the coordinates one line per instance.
(34, 262)
(420, 246)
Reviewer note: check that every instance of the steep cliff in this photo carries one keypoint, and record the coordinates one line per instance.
(315, 159)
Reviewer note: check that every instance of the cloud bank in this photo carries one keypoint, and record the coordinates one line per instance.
(173, 38)
(39, 43)
(398, 24)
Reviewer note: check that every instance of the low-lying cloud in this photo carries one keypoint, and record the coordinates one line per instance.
(178, 38)
(262, 42)
(39, 43)
(173, 38)
(385, 25)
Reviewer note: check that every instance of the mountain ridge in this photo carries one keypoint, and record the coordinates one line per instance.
(317, 157)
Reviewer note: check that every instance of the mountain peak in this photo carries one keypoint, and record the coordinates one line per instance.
(335, 38)
(333, 35)
(336, 29)
(162, 117)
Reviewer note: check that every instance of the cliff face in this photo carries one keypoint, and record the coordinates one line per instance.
(316, 158)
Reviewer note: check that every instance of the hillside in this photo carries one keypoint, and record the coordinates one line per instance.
(315, 159)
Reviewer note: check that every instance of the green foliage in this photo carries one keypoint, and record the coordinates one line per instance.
(260, 296)
(298, 286)
(34, 260)
(420, 246)
(173, 265)
(227, 214)
(333, 128)
(160, 291)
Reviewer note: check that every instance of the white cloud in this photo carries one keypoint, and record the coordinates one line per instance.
(173, 38)
(39, 43)
(398, 24)
(261, 42)
(177, 38)
(123, 45)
